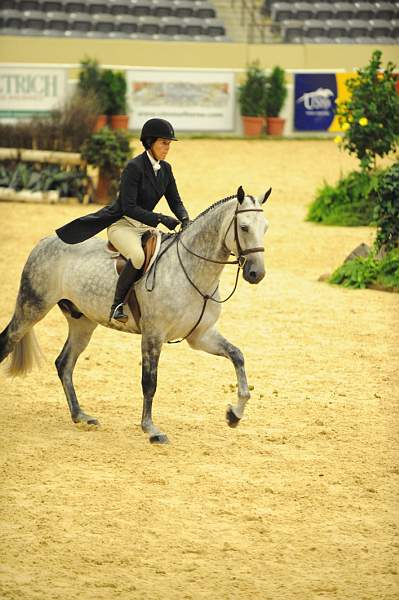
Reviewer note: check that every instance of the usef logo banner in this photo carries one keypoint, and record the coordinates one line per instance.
(315, 100)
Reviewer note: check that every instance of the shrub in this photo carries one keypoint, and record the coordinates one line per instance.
(370, 117)
(65, 129)
(107, 149)
(350, 202)
(364, 272)
(386, 212)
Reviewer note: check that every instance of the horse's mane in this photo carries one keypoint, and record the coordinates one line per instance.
(214, 205)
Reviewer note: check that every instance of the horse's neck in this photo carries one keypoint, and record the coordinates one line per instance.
(205, 237)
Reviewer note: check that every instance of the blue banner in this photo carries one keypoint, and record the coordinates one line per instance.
(315, 98)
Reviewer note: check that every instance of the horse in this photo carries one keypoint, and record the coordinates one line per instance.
(178, 297)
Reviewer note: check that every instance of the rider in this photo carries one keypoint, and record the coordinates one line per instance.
(144, 181)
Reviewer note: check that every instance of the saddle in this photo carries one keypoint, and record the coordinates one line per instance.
(150, 241)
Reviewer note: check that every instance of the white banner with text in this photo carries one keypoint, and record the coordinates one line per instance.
(192, 100)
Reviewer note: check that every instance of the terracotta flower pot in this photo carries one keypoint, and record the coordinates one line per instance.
(101, 122)
(253, 126)
(275, 125)
(119, 121)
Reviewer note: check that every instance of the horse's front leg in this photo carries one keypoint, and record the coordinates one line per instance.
(213, 342)
(150, 351)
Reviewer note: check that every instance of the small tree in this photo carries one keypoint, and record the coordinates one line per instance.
(370, 118)
(114, 89)
(251, 94)
(276, 92)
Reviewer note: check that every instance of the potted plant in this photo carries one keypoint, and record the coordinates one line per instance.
(114, 88)
(276, 93)
(90, 85)
(251, 97)
(109, 151)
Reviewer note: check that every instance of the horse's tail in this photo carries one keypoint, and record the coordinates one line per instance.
(25, 353)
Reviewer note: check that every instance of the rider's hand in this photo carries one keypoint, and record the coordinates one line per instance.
(185, 223)
(169, 222)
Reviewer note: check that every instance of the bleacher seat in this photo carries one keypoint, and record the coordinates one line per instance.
(292, 31)
(79, 23)
(172, 26)
(75, 6)
(97, 7)
(364, 10)
(395, 28)
(52, 6)
(141, 8)
(9, 5)
(344, 10)
(162, 8)
(337, 28)
(34, 20)
(126, 25)
(149, 25)
(324, 10)
(313, 29)
(183, 8)
(381, 28)
(214, 27)
(193, 26)
(119, 7)
(103, 25)
(282, 11)
(13, 19)
(57, 23)
(29, 5)
(359, 28)
(386, 10)
(304, 10)
(205, 11)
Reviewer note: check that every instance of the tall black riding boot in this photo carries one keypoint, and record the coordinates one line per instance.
(126, 279)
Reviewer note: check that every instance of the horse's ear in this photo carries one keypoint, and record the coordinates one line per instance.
(240, 194)
(269, 191)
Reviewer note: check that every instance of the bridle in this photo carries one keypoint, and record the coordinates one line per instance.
(241, 254)
(240, 262)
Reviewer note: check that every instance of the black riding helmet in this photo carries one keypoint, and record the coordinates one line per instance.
(157, 128)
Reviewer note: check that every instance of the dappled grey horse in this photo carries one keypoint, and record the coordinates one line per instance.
(179, 298)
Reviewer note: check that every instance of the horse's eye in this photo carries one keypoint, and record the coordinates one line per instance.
(244, 228)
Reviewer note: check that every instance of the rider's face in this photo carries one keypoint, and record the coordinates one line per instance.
(160, 148)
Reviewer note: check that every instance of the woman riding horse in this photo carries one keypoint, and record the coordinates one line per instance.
(144, 181)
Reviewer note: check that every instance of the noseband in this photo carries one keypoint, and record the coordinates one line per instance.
(242, 253)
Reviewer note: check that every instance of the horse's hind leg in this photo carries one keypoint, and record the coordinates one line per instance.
(150, 351)
(80, 332)
(213, 342)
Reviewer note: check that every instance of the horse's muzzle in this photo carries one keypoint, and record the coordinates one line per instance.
(253, 273)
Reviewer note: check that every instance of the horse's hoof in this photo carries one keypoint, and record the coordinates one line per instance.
(231, 417)
(84, 420)
(161, 438)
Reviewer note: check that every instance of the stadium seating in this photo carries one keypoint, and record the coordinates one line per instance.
(134, 19)
(317, 21)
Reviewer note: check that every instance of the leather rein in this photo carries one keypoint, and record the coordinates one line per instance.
(240, 262)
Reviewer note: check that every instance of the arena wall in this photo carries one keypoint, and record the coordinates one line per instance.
(188, 54)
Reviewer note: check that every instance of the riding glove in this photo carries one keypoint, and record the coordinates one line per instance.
(185, 223)
(169, 222)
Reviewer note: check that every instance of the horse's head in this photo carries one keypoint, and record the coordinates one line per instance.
(245, 235)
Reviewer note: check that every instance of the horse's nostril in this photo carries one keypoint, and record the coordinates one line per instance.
(253, 274)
